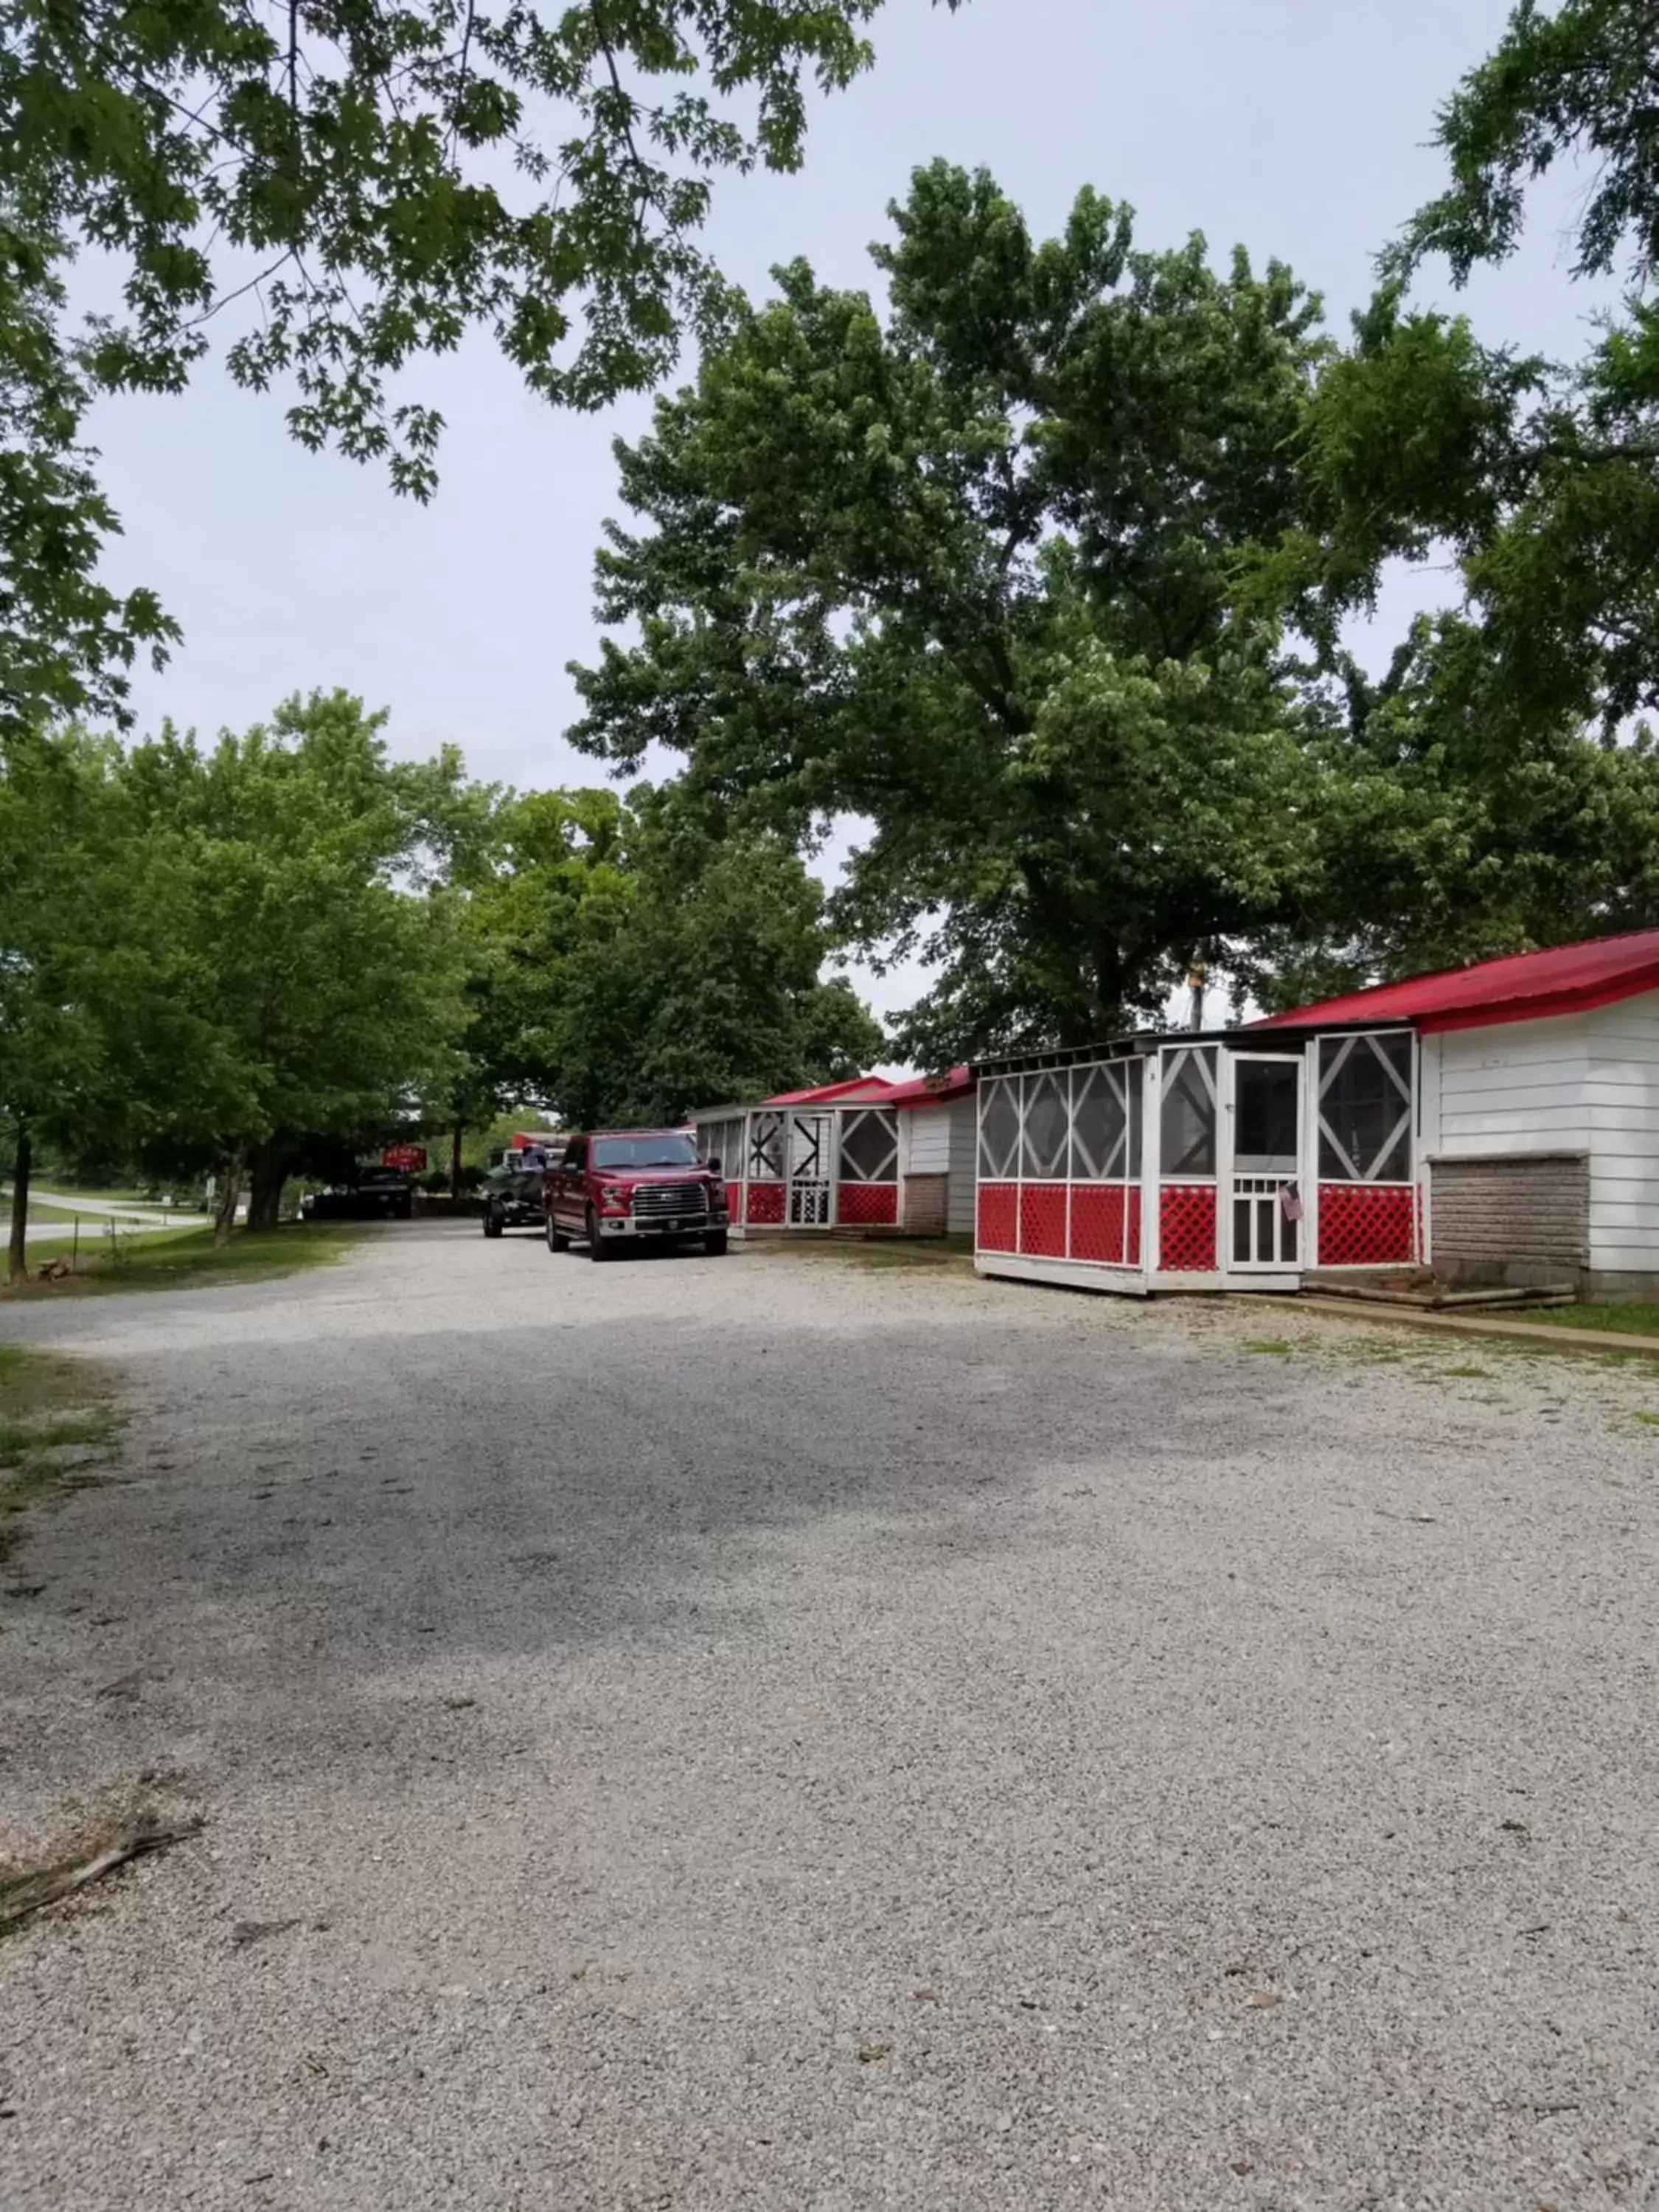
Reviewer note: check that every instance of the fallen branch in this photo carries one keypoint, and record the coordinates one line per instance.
(33, 1892)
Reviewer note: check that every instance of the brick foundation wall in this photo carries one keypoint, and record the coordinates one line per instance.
(927, 1200)
(1519, 1217)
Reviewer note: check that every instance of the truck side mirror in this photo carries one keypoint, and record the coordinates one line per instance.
(712, 1163)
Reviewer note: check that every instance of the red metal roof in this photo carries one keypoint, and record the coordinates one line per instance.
(874, 1086)
(1523, 987)
(930, 1090)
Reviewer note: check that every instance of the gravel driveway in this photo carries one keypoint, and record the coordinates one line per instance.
(789, 1732)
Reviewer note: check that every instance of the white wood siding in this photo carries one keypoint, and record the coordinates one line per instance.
(963, 1118)
(1623, 1097)
(1515, 1087)
(930, 1140)
(943, 1139)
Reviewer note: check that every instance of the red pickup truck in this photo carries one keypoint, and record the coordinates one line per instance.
(616, 1187)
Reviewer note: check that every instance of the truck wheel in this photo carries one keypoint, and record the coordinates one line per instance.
(714, 1243)
(492, 1222)
(597, 1247)
(556, 1239)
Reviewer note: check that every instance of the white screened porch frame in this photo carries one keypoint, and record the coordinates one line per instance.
(1014, 1145)
(1360, 1167)
(724, 1134)
(1214, 1065)
(806, 1150)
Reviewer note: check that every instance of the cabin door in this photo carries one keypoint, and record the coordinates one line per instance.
(1261, 1216)
(810, 1138)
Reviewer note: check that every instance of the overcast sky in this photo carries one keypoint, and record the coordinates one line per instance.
(1298, 127)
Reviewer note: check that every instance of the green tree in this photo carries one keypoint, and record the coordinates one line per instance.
(321, 950)
(367, 184)
(96, 1040)
(629, 962)
(1539, 479)
(706, 983)
(970, 573)
(1453, 830)
(66, 639)
(549, 862)
(1578, 83)
(338, 188)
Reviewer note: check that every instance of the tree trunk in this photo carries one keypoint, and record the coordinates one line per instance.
(455, 1161)
(17, 1265)
(225, 1219)
(269, 1174)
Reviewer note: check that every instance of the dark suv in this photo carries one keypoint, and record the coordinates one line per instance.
(616, 1187)
(513, 1198)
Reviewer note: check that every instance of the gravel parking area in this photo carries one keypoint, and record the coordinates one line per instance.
(791, 1732)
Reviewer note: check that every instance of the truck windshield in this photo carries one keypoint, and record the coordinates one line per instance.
(669, 1152)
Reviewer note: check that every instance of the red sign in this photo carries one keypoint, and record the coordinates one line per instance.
(411, 1158)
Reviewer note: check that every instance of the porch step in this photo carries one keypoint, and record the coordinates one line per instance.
(1409, 1289)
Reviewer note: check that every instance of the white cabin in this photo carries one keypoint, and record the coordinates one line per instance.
(1497, 1123)
(868, 1155)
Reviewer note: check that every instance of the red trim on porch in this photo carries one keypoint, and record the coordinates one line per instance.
(1367, 1225)
(1186, 1225)
(1101, 1223)
(1043, 1219)
(866, 1204)
(998, 1218)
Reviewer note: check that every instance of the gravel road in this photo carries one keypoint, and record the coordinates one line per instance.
(790, 1732)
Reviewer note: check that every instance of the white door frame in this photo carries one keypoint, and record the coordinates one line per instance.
(825, 1123)
(1228, 1176)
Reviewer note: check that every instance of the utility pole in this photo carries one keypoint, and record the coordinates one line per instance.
(1196, 978)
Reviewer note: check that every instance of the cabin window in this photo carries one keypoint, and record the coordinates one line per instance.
(869, 1146)
(765, 1147)
(1043, 1155)
(1106, 1122)
(1187, 1125)
(998, 1129)
(1365, 1107)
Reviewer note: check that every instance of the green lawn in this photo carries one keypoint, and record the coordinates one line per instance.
(182, 1258)
(1629, 1320)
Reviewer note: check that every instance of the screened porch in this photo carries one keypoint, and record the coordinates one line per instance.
(1197, 1163)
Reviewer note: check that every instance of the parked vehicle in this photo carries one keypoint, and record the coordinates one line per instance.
(617, 1187)
(375, 1194)
(514, 1198)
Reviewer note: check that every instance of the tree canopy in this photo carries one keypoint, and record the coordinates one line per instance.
(967, 573)
(335, 190)
(373, 182)
(1044, 575)
(1540, 478)
(627, 967)
(330, 983)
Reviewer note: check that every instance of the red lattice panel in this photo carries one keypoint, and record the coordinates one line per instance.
(1367, 1225)
(866, 1204)
(1099, 1215)
(1132, 1249)
(998, 1217)
(734, 1200)
(1186, 1229)
(766, 1206)
(1043, 1220)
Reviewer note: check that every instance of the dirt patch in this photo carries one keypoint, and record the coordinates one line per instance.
(57, 1430)
(93, 1839)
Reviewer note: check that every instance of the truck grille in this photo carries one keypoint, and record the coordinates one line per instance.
(653, 1202)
